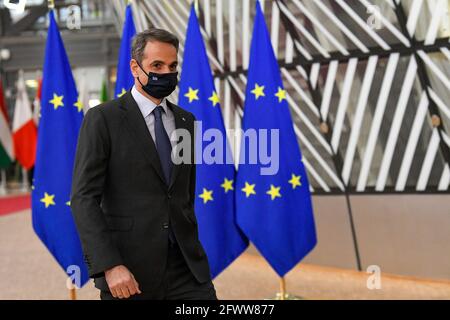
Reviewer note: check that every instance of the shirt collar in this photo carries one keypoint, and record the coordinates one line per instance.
(146, 105)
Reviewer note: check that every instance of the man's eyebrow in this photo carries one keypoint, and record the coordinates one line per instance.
(157, 61)
(162, 62)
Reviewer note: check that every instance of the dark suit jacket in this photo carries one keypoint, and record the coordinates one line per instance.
(120, 202)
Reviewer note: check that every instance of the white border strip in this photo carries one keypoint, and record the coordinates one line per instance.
(304, 31)
(428, 161)
(321, 27)
(275, 28)
(357, 121)
(363, 24)
(397, 121)
(232, 34)
(436, 17)
(413, 17)
(300, 91)
(315, 175)
(408, 156)
(319, 159)
(341, 26)
(387, 24)
(445, 179)
(328, 89)
(441, 105)
(377, 120)
(436, 70)
(343, 102)
(308, 123)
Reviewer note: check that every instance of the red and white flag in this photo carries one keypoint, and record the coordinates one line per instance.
(24, 127)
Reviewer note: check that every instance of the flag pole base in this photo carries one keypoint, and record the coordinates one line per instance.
(283, 295)
(287, 296)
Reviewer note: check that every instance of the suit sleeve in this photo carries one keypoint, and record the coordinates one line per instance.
(88, 179)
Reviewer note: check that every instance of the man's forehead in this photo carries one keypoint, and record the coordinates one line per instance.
(162, 52)
(157, 46)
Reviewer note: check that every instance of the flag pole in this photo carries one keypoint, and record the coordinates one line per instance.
(25, 186)
(3, 189)
(283, 294)
(72, 294)
(72, 289)
(282, 288)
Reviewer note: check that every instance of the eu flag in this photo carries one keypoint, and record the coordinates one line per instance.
(61, 117)
(273, 200)
(125, 79)
(214, 204)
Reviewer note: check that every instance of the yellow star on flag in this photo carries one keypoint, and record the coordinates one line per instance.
(121, 93)
(274, 192)
(206, 195)
(227, 185)
(68, 203)
(281, 94)
(249, 189)
(79, 105)
(295, 181)
(48, 199)
(57, 101)
(192, 94)
(258, 91)
(214, 98)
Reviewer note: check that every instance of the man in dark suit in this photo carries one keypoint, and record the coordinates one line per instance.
(132, 204)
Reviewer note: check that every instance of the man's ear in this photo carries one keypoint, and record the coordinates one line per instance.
(134, 68)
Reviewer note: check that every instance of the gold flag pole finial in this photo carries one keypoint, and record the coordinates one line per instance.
(51, 4)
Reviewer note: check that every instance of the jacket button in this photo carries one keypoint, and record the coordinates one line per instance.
(200, 252)
(166, 225)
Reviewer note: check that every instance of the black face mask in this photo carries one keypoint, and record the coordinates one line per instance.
(159, 85)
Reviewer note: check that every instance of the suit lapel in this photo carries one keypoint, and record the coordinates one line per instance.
(180, 123)
(138, 128)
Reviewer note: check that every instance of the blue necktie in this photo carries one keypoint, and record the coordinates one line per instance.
(164, 149)
(163, 145)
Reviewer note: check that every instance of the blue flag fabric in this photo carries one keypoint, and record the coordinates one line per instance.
(274, 210)
(61, 117)
(125, 79)
(214, 204)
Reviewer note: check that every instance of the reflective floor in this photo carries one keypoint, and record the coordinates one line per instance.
(27, 271)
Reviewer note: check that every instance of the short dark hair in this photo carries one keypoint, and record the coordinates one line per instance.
(153, 34)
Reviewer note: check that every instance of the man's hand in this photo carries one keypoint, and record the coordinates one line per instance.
(121, 282)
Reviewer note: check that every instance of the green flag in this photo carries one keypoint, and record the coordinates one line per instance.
(104, 92)
(6, 141)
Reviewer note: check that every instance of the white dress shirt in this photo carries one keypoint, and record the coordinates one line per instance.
(147, 106)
